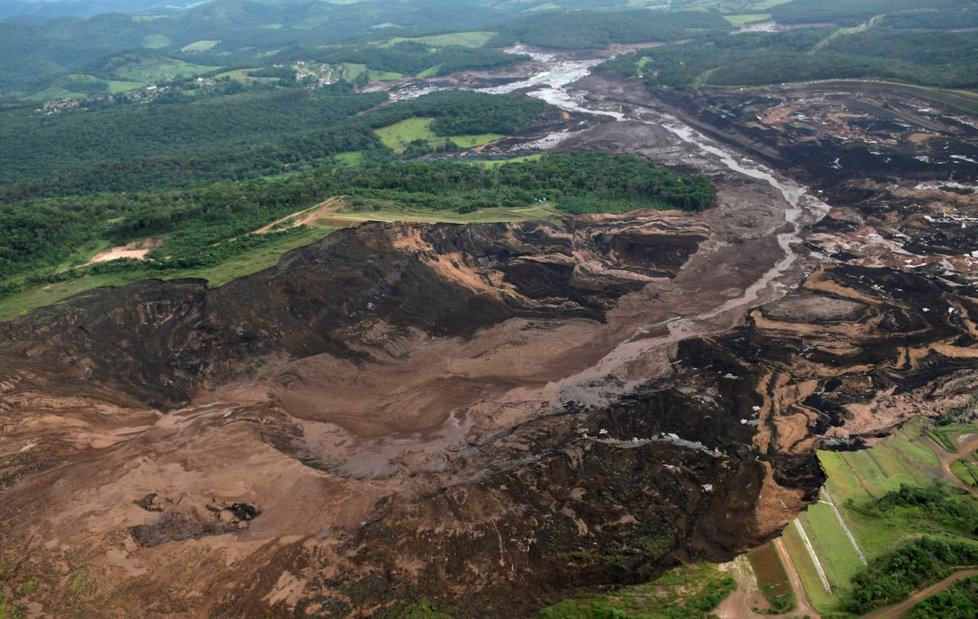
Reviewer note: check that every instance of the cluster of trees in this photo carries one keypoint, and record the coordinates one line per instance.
(891, 577)
(33, 146)
(940, 503)
(457, 112)
(597, 179)
(247, 135)
(852, 12)
(587, 29)
(209, 223)
(958, 602)
(934, 19)
(924, 57)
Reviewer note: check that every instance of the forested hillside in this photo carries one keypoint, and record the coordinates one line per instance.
(906, 41)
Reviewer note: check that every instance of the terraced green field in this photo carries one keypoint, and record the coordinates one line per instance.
(857, 481)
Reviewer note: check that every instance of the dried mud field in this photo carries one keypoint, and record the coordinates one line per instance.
(490, 417)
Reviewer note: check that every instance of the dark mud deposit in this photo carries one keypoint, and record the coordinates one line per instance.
(492, 417)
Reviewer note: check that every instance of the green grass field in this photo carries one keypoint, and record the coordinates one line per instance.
(352, 158)
(738, 21)
(430, 71)
(966, 471)
(152, 71)
(495, 163)
(836, 553)
(397, 136)
(156, 41)
(121, 86)
(947, 436)
(381, 76)
(462, 39)
(810, 580)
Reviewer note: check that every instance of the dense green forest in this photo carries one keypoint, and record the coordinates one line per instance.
(250, 134)
(930, 58)
(33, 146)
(581, 30)
(462, 113)
(853, 12)
(936, 19)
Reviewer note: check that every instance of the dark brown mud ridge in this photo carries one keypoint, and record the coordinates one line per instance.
(827, 135)
(509, 514)
(158, 342)
(488, 417)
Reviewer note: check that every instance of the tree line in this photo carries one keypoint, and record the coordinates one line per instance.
(205, 224)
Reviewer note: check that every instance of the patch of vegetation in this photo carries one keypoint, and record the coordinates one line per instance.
(691, 591)
(946, 435)
(419, 610)
(462, 39)
(738, 21)
(592, 29)
(772, 578)
(965, 471)
(960, 601)
(928, 58)
(891, 577)
(940, 502)
(414, 137)
(852, 12)
(455, 112)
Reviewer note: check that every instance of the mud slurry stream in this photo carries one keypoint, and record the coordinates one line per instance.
(485, 417)
(556, 86)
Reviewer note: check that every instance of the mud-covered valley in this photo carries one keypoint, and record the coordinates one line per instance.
(491, 417)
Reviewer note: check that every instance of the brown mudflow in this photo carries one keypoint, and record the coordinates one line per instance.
(487, 417)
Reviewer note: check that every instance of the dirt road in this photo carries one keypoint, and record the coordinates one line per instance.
(948, 458)
(898, 610)
(737, 605)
